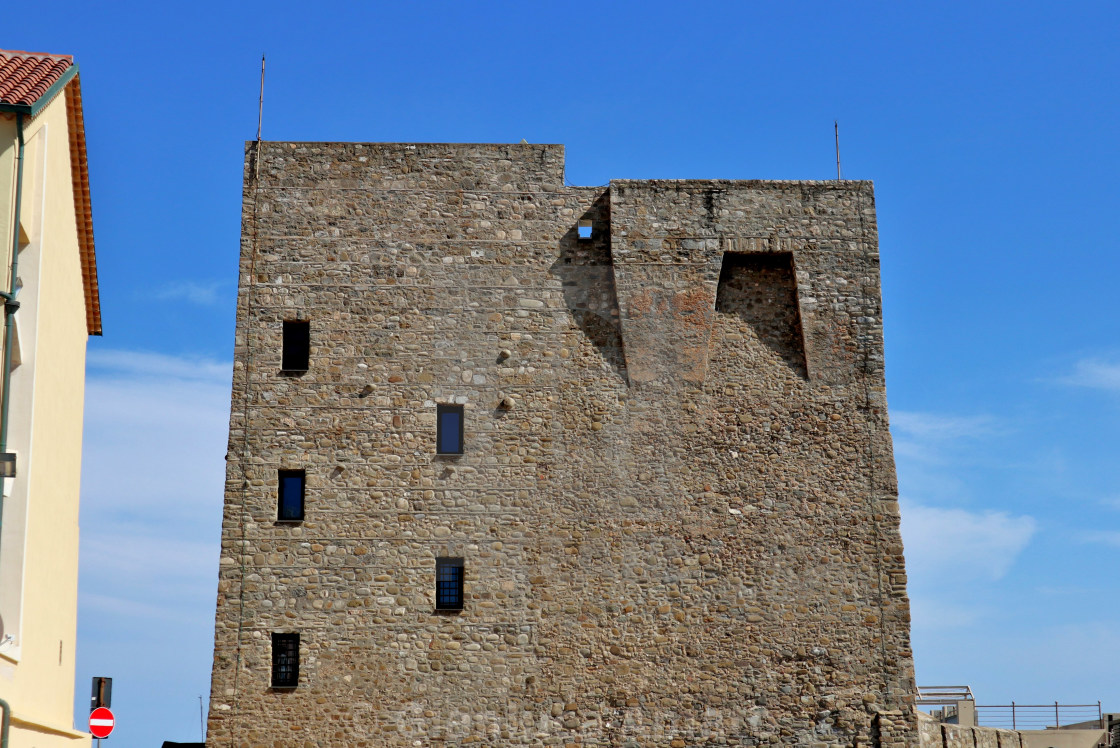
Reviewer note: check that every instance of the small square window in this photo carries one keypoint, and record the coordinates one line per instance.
(584, 229)
(449, 429)
(297, 345)
(289, 495)
(285, 660)
(449, 584)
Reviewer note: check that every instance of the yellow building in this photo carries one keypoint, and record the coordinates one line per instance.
(48, 285)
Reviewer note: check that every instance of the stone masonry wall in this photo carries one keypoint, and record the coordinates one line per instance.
(934, 734)
(685, 529)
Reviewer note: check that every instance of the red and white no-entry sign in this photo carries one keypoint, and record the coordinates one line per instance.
(101, 722)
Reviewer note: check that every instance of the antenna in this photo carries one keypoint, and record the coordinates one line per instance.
(260, 116)
(260, 105)
(835, 128)
(201, 722)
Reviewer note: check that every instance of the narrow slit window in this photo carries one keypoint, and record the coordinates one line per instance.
(584, 229)
(449, 429)
(290, 495)
(297, 345)
(285, 660)
(449, 584)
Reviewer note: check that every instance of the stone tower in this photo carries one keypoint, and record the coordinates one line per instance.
(662, 505)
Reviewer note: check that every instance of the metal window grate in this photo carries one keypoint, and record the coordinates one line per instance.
(449, 584)
(285, 660)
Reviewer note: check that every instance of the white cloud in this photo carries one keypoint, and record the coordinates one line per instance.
(202, 294)
(967, 550)
(1095, 373)
(943, 542)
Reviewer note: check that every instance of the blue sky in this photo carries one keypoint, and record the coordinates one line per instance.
(990, 132)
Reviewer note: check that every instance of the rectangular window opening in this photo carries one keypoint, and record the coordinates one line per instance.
(297, 345)
(584, 229)
(449, 584)
(290, 494)
(285, 660)
(449, 429)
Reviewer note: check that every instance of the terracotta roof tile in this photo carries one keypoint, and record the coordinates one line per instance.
(24, 79)
(26, 76)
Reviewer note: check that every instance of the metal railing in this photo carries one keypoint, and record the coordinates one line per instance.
(1039, 716)
(935, 695)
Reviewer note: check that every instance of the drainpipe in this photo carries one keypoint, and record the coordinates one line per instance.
(28, 111)
(7, 723)
(10, 307)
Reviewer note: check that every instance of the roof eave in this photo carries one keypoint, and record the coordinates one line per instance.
(47, 97)
(83, 213)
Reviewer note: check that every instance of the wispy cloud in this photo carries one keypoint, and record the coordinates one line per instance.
(1104, 537)
(938, 614)
(123, 608)
(152, 484)
(148, 560)
(153, 476)
(955, 541)
(938, 427)
(1095, 373)
(202, 294)
(930, 448)
(155, 433)
(116, 364)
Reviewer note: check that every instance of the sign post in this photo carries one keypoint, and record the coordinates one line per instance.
(101, 694)
(101, 723)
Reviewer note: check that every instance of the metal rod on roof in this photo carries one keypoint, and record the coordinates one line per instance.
(260, 104)
(836, 130)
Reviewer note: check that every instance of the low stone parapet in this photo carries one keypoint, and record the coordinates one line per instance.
(934, 734)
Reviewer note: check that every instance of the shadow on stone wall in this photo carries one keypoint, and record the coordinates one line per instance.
(761, 290)
(587, 276)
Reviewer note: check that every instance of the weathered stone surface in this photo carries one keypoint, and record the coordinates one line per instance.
(957, 736)
(677, 502)
(935, 734)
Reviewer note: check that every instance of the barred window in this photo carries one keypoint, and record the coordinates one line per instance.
(449, 584)
(285, 660)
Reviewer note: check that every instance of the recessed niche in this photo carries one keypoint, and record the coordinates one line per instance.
(759, 290)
